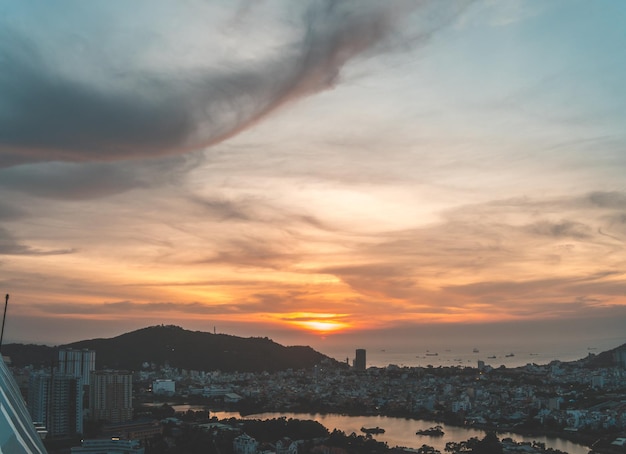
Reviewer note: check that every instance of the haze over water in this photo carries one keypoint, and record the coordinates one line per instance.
(512, 345)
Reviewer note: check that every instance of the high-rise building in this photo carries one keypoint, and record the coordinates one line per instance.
(359, 360)
(78, 363)
(55, 400)
(111, 396)
(17, 431)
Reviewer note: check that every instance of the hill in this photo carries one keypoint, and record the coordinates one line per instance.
(180, 348)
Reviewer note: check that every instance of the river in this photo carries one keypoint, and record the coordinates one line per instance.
(401, 431)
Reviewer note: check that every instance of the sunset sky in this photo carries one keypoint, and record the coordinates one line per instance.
(305, 170)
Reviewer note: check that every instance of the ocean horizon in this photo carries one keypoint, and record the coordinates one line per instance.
(502, 352)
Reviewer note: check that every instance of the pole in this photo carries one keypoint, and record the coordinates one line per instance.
(6, 303)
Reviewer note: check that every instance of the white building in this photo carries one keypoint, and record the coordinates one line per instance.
(286, 446)
(232, 398)
(167, 387)
(245, 444)
(78, 363)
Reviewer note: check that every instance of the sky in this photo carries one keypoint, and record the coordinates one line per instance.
(317, 172)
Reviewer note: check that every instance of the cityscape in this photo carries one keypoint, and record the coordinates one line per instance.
(74, 407)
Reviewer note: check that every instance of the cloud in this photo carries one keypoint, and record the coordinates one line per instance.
(556, 264)
(9, 211)
(11, 246)
(130, 307)
(563, 229)
(614, 199)
(54, 109)
(81, 181)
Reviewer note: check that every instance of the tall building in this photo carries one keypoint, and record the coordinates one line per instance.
(17, 431)
(111, 396)
(359, 360)
(55, 400)
(79, 363)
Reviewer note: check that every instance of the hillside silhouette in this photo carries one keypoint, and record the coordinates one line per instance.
(180, 348)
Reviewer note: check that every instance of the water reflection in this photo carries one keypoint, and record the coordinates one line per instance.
(401, 432)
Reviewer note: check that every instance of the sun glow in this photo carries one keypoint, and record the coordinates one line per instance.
(319, 323)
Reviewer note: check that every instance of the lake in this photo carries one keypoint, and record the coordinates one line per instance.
(401, 431)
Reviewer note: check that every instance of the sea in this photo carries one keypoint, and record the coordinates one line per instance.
(495, 351)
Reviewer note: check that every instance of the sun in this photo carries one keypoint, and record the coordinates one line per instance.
(318, 323)
(325, 326)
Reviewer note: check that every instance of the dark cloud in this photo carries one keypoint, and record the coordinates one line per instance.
(254, 251)
(507, 289)
(335, 318)
(9, 211)
(127, 307)
(616, 200)
(563, 229)
(79, 181)
(375, 280)
(9, 245)
(223, 209)
(45, 114)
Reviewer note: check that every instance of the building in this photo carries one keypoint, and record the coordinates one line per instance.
(619, 356)
(17, 431)
(78, 363)
(166, 387)
(286, 446)
(55, 400)
(245, 444)
(111, 396)
(110, 446)
(359, 360)
(142, 430)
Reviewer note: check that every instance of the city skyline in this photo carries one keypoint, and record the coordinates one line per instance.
(316, 172)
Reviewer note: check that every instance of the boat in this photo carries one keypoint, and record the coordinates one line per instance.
(435, 431)
(509, 355)
(432, 354)
(373, 430)
(476, 350)
(492, 357)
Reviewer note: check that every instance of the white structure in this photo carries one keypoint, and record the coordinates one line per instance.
(167, 387)
(232, 398)
(286, 446)
(245, 444)
(78, 363)
(112, 446)
(17, 431)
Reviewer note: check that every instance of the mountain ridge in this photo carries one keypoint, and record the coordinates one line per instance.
(179, 348)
